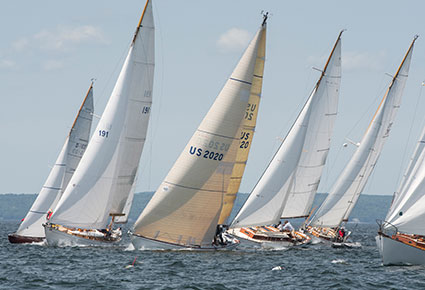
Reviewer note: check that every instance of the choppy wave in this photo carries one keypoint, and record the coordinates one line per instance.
(314, 267)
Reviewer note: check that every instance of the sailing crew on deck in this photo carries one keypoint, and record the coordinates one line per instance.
(286, 227)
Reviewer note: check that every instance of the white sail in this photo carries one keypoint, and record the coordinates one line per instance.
(101, 184)
(290, 181)
(186, 207)
(67, 161)
(409, 176)
(126, 210)
(343, 196)
(317, 141)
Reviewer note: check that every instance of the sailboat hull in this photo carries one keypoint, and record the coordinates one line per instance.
(17, 239)
(57, 237)
(269, 237)
(395, 252)
(143, 243)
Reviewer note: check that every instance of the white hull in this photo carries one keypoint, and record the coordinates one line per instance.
(58, 238)
(142, 243)
(397, 253)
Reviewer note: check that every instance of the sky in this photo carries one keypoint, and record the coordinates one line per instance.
(51, 50)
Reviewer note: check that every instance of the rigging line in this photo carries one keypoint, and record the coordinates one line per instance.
(399, 175)
(118, 64)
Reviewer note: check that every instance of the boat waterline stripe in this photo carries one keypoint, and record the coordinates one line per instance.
(194, 188)
(242, 81)
(217, 134)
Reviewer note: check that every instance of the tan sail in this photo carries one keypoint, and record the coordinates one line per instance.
(186, 207)
(246, 134)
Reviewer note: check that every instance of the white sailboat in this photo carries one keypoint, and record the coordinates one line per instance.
(31, 229)
(337, 207)
(185, 210)
(100, 187)
(401, 237)
(287, 187)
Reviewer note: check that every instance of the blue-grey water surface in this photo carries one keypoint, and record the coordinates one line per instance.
(314, 267)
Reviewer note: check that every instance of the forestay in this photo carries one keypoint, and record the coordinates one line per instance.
(186, 207)
(290, 181)
(107, 172)
(65, 165)
(343, 196)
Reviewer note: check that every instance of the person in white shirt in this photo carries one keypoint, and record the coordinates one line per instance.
(286, 227)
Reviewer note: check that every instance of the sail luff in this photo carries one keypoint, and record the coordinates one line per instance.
(186, 207)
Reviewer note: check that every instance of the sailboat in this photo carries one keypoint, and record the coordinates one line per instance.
(31, 229)
(185, 210)
(327, 223)
(104, 180)
(287, 187)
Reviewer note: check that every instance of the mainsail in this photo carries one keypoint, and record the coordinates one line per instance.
(290, 181)
(65, 165)
(343, 196)
(186, 207)
(101, 184)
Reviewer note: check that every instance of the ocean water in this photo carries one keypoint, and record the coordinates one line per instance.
(318, 266)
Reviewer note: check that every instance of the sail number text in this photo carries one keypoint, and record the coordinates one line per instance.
(103, 133)
(146, 110)
(245, 142)
(205, 153)
(249, 111)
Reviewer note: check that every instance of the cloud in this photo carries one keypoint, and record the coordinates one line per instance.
(353, 60)
(63, 37)
(21, 44)
(6, 63)
(235, 39)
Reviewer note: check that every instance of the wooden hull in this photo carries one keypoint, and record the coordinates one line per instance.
(398, 251)
(59, 236)
(17, 239)
(270, 237)
(143, 243)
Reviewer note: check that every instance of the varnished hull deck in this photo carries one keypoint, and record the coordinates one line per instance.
(401, 249)
(143, 243)
(60, 236)
(270, 237)
(17, 239)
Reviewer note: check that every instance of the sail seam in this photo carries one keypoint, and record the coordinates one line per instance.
(195, 188)
(242, 81)
(55, 188)
(218, 135)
